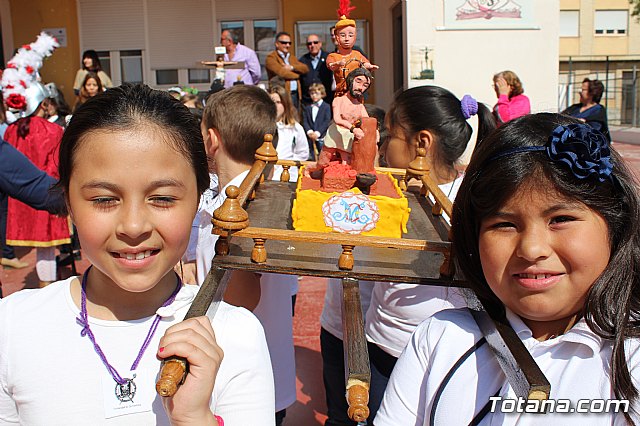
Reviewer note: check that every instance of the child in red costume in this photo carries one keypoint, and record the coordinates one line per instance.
(38, 140)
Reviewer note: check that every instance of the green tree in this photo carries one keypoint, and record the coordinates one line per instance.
(636, 8)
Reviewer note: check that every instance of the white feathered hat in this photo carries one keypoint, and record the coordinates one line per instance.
(22, 72)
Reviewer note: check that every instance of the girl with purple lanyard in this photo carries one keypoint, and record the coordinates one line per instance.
(87, 350)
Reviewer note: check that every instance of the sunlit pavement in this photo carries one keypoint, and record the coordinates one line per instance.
(310, 407)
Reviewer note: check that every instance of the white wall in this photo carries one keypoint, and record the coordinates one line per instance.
(466, 60)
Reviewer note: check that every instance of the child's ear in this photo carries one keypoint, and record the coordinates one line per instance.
(425, 139)
(212, 142)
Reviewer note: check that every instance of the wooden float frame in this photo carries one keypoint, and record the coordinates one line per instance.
(522, 372)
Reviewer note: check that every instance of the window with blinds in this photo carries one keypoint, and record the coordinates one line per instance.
(611, 22)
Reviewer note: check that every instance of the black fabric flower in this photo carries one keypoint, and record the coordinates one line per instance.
(582, 148)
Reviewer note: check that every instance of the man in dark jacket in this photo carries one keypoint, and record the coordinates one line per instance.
(315, 59)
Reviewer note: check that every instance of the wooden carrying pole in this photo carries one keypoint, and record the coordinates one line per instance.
(356, 356)
(229, 217)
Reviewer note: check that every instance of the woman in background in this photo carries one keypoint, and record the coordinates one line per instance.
(91, 63)
(512, 103)
(589, 109)
(91, 86)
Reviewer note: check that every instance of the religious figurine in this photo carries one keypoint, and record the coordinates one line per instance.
(348, 150)
(346, 59)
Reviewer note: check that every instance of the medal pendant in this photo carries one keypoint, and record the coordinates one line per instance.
(126, 391)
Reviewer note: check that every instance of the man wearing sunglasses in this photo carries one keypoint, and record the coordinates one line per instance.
(318, 71)
(281, 63)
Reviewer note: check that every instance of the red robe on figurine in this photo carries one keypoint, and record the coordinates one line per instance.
(25, 225)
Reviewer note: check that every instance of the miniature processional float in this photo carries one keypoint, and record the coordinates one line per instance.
(347, 219)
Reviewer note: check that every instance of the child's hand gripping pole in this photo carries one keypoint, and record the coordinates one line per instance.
(227, 218)
(174, 369)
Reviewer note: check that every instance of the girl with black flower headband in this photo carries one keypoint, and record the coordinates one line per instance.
(545, 229)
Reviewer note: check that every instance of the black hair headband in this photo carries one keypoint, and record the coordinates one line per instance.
(583, 149)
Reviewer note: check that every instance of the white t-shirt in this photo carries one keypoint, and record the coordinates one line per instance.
(397, 309)
(51, 375)
(292, 145)
(577, 365)
(206, 241)
(273, 310)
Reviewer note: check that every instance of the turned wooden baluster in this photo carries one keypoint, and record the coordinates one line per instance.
(447, 269)
(436, 209)
(418, 168)
(229, 217)
(259, 252)
(345, 261)
(402, 183)
(285, 176)
(267, 152)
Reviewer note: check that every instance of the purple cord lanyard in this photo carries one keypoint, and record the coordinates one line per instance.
(86, 330)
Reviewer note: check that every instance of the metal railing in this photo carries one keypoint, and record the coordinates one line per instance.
(619, 74)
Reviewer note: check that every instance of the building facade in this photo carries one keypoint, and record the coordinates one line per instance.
(599, 39)
(452, 44)
(162, 42)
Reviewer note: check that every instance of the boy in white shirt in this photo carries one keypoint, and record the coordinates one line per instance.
(233, 126)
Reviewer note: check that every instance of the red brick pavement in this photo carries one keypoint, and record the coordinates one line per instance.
(631, 154)
(310, 407)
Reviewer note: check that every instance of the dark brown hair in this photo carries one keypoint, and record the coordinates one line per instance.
(135, 106)
(242, 114)
(439, 111)
(83, 96)
(95, 61)
(596, 89)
